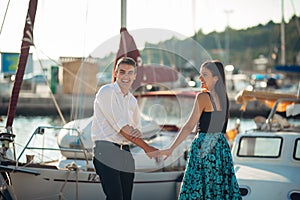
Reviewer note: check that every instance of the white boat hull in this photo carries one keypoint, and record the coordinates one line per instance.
(66, 184)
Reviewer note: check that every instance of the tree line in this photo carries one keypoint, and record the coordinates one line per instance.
(244, 46)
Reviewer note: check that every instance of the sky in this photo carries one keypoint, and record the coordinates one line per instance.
(77, 27)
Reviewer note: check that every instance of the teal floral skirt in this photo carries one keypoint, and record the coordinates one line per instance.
(209, 171)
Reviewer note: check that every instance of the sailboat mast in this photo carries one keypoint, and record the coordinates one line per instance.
(123, 45)
(123, 13)
(27, 41)
(282, 31)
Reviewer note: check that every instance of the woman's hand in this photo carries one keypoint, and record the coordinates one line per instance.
(165, 152)
(151, 152)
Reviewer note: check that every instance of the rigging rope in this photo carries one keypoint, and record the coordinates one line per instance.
(4, 17)
(51, 93)
(79, 78)
(77, 114)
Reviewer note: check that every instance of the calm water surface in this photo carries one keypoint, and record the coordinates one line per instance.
(23, 127)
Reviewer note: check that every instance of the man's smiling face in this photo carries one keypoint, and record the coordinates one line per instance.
(125, 76)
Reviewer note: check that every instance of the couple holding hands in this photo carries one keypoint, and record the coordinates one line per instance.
(209, 172)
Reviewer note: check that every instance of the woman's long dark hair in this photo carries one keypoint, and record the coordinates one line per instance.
(217, 69)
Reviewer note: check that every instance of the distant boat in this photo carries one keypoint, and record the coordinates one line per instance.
(267, 159)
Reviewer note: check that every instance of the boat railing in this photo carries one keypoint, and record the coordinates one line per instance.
(41, 130)
(272, 113)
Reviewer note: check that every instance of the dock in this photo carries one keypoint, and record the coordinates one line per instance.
(42, 104)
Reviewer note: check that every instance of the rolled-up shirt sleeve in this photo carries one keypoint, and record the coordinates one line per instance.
(137, 118)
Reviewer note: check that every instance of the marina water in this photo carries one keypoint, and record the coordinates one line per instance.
(24, 126)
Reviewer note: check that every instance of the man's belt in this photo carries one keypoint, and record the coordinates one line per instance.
(122, 146)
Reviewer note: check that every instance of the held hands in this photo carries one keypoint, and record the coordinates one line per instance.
(165, 152)
(152, 152)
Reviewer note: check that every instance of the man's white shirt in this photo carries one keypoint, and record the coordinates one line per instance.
(112, 111)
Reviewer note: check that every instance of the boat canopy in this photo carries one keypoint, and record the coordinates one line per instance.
(266, 97)
(288, 68)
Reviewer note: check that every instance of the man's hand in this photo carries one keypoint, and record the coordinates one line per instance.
(127, 132)
(136, 133)
(151, 152)
(131, 132)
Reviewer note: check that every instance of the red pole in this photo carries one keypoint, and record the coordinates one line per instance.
(27, 41)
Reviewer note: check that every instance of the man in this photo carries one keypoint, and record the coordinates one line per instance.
(116, 122)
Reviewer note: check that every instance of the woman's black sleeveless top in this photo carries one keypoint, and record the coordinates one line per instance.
(212, 122)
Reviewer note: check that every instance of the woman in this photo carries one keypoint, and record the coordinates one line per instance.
(209, 171)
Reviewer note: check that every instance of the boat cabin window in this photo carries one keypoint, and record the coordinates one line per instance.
(269, 147)
(297, 150)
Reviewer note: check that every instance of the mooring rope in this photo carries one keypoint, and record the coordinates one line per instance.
(71, 167)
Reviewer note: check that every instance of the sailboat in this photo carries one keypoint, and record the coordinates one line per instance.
(47, 174)
(283, 67)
